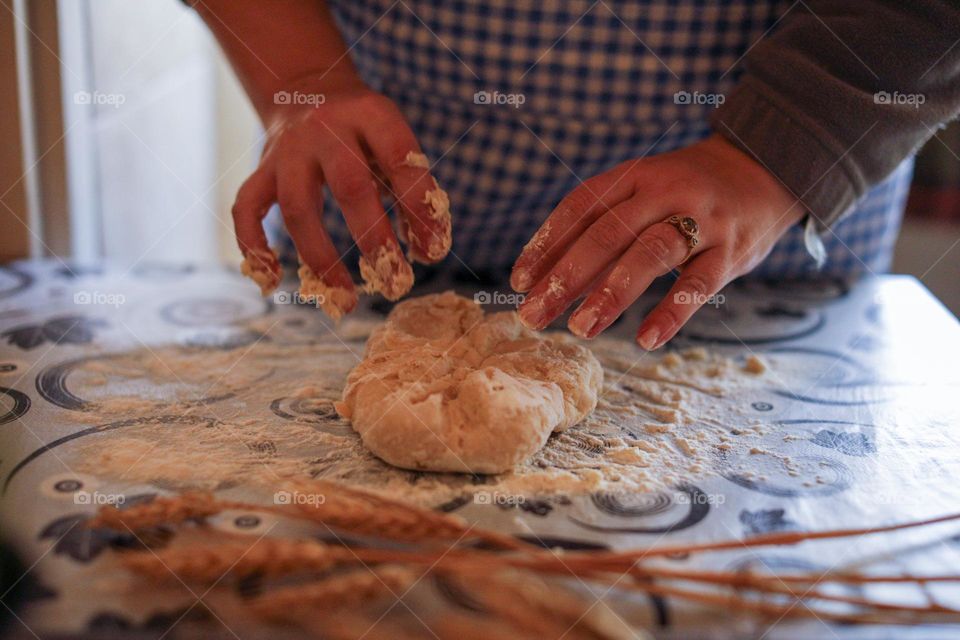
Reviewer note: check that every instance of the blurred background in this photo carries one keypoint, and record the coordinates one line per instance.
(130, 137)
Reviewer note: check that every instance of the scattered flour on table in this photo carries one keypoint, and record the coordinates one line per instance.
(259, 413)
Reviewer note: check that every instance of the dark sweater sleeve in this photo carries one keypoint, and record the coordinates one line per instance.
(841, 92)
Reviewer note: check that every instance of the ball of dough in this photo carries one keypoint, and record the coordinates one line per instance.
(443, 387)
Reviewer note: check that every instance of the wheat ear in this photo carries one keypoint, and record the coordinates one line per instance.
(161, 510)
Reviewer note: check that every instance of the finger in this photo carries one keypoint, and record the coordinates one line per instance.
(299, 187)
(254, 199)
(657, 251)
(698, 283)
(424, 208)
(383, 267)
(575, 213)
(599, 246)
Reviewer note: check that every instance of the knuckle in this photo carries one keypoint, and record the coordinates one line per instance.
(714, 277)
(697, 284)
(577, 202)
(653, 245)
(294, 207)
(238, 211)
(395, 156)
(629, 167)
(668, 316)
(317, 116)
(375, 103)
(353, 187)
(604, 234)
(249, 198)
(241, 205)
(616, 295)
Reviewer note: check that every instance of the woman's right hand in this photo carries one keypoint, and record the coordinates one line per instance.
(341, 134)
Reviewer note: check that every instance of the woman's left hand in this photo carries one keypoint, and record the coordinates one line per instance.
(609, 239)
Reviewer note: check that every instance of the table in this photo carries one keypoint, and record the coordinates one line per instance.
(870, 410)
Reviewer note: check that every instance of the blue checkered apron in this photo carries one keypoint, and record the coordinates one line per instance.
(597, 82)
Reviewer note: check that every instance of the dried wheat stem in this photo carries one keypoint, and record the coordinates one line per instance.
(365, 512)
(774, 539)
(161, 510)
(527, 603)
(778, 611)
(349, 590)
(810, 593)
(211, 562)
(735, 578)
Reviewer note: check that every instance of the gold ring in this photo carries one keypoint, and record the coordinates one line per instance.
(688, 228)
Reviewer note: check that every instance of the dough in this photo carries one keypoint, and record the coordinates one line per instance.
(388, 273)
(263, 267)
(335, 301)
(443, 387)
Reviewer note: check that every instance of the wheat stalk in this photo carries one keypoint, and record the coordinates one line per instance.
(161, 510)
(365, 512)
(776, 539)
(268, 557)
(335, 505)
(530, 605)
(353, 589)
(894, 614)
(505, 583)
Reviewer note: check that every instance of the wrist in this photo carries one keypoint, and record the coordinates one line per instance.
(309, 90)
(746, 170)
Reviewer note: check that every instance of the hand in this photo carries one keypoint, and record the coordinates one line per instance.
(341, 134)
(609, 239)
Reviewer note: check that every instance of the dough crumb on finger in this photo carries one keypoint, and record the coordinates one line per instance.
(263, 267)
(334, 301)
(389, 273)
(414, 159)
(438, 201)
(438, 245)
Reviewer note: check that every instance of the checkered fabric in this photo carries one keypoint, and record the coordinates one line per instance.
(518, 101)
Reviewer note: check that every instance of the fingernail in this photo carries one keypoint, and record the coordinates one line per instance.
(583, 321)
(521, 280)
(531, 313)
(648, 339)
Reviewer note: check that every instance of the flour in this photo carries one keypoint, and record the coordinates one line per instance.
(659, 420)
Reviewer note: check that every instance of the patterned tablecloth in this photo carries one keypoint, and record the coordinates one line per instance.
(868, 416)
